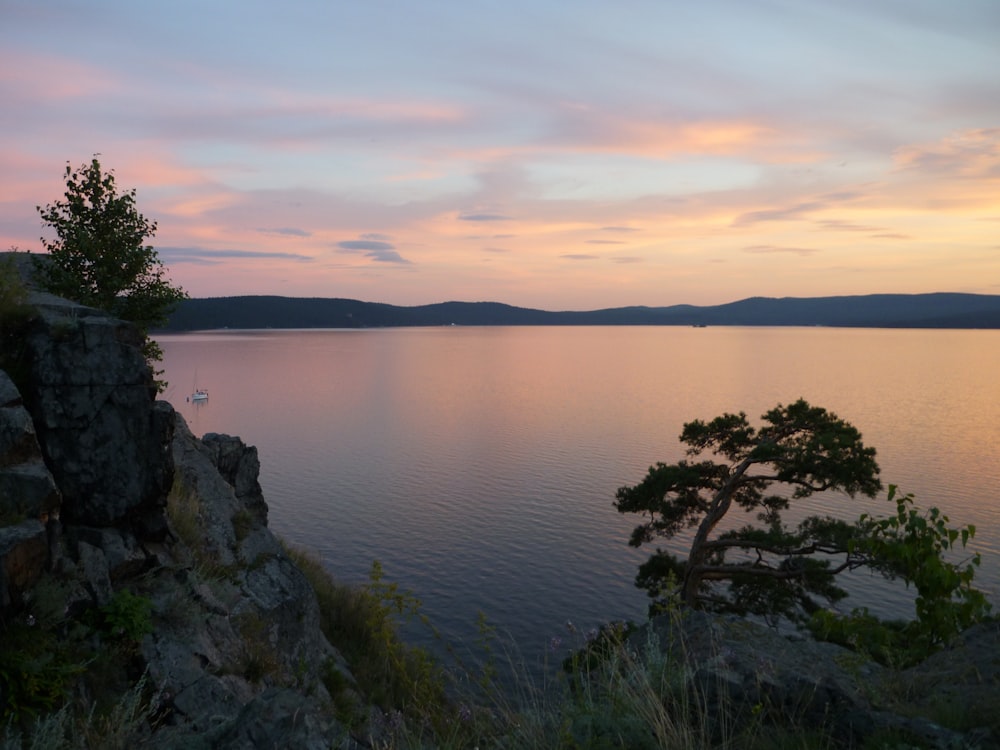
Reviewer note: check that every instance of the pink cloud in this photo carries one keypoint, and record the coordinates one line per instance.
(45, 78)
(966, 154)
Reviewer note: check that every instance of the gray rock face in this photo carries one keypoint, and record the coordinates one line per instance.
(23, 555)
(239, 650)
(759, 674)
(962, 680)
(92, 399)
(236, 656)
(240, 467)
(27, 489)
(277, 718)
(28, 497)
(751, 669)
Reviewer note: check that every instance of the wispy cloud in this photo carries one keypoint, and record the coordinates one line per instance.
(765, 249)
(377, 250)
(605, 242)
(967, 154)
(485, 216)
(791, 213)
(209, 256)
(840, 225)
(579, 256)
(287, 231)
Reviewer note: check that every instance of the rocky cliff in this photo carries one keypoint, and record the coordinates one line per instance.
(145, 549)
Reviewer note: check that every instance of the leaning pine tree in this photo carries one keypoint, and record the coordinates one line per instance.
(770, 569)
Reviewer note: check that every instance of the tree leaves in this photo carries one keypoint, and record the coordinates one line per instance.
(99, 257)
(913, 546)
(803, 448)
(772, 570)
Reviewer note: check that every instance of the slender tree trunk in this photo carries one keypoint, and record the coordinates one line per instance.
(716, 512)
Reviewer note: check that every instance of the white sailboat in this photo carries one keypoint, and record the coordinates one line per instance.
(200, 394)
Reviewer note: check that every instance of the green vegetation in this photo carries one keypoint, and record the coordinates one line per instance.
(912, 311)
(99, 257)
(777, 570)
(122, 727)
(609, 694)
(362, 621)
(913, 546)
(13, 293)
(126, 618)
(65, 679)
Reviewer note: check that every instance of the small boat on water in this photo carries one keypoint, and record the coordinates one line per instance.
(199, 395)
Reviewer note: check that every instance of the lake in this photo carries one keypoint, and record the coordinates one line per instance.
(479, 464)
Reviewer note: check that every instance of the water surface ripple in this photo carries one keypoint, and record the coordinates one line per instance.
(479, 465)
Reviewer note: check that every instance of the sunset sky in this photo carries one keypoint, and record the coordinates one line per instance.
(564, 155)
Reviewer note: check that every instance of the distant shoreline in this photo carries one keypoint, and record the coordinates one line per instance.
(940, 310)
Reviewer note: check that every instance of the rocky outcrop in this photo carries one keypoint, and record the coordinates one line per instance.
(238, 651)
(736, 668)
(240, 467)
(29, 498)
(92, 398)
(962, 680)
(105, 491)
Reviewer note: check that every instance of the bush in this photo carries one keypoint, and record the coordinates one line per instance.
(127, 617)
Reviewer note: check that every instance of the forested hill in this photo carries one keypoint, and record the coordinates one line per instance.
(941, 310)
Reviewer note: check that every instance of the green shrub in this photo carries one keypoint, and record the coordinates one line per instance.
(915, 546)
(363, 623)
(13, 293)
(127, 617)
(258, 662)
(36, 672)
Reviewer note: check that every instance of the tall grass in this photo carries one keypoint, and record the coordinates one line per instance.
(126, 725)
(609, 692)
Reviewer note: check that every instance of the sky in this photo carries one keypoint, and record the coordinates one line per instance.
(561, 155)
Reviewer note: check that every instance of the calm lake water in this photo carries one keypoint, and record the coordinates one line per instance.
(479, 465)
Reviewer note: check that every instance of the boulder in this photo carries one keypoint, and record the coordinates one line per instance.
(27, 488)
(23, 556)
(961, 683)
(277, 718)
(743, 670)
(92, 399)
(29, 500)
(240, 467)
(754, 672)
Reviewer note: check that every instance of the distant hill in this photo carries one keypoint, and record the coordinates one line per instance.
(942, 310)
